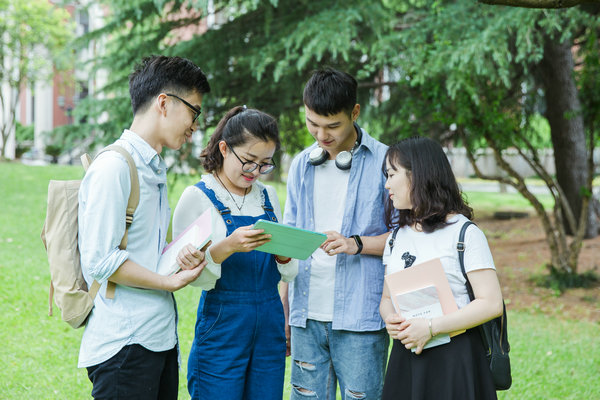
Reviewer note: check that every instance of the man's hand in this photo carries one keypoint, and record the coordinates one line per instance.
(336, 243)
(184, 277)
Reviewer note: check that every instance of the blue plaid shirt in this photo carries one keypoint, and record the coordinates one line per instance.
(358, 278)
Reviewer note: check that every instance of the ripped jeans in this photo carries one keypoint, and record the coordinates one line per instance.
(322, 356)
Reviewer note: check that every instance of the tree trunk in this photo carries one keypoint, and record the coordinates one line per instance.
(563, 112)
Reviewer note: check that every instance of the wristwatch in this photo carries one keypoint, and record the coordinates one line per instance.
(358, 243)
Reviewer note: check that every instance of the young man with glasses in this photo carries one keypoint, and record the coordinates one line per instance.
(239, 344)
(336, 186)
(130, 344)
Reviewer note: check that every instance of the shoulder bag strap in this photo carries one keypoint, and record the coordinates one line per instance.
(460, 246)
(393, 238)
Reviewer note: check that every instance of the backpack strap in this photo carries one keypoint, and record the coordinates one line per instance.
(393, 238)
(460, 246)
(132, 203)
(134, 195)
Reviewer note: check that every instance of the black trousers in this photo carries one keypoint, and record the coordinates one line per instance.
(136, 373)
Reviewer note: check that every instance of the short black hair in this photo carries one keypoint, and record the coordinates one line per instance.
(330, 91)
(434, 192)
(235, 128)
(157, 74)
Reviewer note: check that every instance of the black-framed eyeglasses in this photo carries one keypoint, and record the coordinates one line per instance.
(197, 111)
(250, 166)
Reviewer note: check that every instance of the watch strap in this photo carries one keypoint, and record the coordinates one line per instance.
(359, 243)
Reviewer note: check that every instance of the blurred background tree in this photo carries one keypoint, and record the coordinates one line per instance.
(33, 37)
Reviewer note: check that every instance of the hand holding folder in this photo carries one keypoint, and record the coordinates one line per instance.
(288, 241)
(198, 234)
(417, 281)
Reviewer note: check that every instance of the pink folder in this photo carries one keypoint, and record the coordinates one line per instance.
(198, 233)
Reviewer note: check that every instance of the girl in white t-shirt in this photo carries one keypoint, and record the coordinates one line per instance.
(426, 205)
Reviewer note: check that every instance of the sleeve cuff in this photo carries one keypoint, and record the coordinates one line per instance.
(289, 270)
(104, 270)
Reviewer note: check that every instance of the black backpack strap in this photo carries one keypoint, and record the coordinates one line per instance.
(393, 238)
(460, 246)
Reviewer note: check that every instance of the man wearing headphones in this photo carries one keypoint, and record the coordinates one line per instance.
(336, 186)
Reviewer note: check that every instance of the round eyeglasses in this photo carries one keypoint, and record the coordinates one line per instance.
(250, 166)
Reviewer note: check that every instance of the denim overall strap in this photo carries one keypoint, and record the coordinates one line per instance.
(253, 271)
(268, 207)
(223, 210)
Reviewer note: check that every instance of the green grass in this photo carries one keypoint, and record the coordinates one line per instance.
(551, 359)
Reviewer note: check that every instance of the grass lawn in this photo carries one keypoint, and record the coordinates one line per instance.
(551, 358)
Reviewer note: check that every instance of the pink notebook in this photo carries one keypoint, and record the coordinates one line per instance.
(429, 273)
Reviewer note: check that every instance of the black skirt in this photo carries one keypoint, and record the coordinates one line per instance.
(453, 371)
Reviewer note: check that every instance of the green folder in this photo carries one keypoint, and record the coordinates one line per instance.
(288, 241)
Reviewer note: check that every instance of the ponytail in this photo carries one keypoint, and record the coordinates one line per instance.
(235, 128)
(211, 156)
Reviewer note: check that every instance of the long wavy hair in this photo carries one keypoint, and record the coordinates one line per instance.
(238, 126)
(434, 192)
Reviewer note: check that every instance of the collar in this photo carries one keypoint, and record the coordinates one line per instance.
(144, 149)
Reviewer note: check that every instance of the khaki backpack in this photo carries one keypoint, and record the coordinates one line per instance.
(59, 234)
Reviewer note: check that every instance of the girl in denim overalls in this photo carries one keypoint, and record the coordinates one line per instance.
(239, 345)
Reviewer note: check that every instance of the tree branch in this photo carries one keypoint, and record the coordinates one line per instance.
(537, 3)
(376, 84)
(560, 198)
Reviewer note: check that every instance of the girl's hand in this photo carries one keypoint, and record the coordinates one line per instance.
(414, 333)
(245, 239)
(190, 257)
(393, 324)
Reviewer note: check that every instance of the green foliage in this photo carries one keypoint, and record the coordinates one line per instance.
(24, 132)
(443, 63)
(560, 280)
(257, 53)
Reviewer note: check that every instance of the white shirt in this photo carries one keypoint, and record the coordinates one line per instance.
(194, 202)
(442, 244)
(331, 185)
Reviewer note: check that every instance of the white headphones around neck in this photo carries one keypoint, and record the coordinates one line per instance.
(344, 158)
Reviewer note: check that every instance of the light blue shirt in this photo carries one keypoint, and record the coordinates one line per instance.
(358, 278)
(134, 316)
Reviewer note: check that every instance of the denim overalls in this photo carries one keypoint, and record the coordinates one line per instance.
(239, 344)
